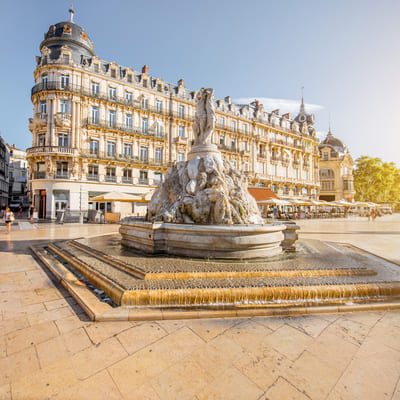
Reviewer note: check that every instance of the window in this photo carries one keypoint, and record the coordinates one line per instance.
(221, 122)
(64, 81)
(64, 106)
(93, 172)
(261, 168)
(305, 191)
(295, 191)
(145, 104)
(95, 89)
(43, 107)
(145, 125)
(273, 169)
(305, 175)
(110, 174)
(110, 148)
(143, 153)
(128, 97)
(94, 147)
(296, 173)
(181, 156)
(144, 82)
(113, 73)
(181, 131)
(95, 115)
(111, 118)
(127, 150)
(112, 93)
(159, 87)
(63, 139)
(285, 189)
(286, 172)
(326, 156)
(158, 154)
(245, 167)
(40, 170)
(233, 126)
(159, 106)
(41, 139)
(143, 178)
(96, 67)
(129, 78)
(244, 146)
(233, 163)
(222, 140)
(274, 188)
(44, 81)
(160, 129)
(233, 144)
(128, 121)
(127, 175)
(181, 112)
(245, 129)
(61, 169)
(157, 178)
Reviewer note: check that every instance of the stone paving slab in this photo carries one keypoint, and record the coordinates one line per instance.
(327, 356)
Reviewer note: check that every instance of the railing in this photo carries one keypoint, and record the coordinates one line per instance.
(103, 124)
(39, 175)
(126, 179)
(125, 158)
(143, 181)
(51, 149)
(224, 147)
(94, 178)
(61, 175)
(110, 178)
(78, 89)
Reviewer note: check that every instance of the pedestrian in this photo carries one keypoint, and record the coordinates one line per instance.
(2, 210)
(31, 210)
(8, 218)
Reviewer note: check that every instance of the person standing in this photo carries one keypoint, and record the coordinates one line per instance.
(2, 210)
(31, 211)
(8, 218)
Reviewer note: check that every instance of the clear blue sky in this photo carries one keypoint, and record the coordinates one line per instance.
(344, 52)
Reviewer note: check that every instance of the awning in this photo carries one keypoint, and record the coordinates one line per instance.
(262, 194)
(117, 196)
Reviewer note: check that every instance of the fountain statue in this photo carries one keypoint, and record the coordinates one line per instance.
(203, 207)
(205, 189)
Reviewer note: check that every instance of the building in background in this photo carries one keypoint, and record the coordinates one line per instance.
(4, 165)
(100, 127)
(18, 173)
(336, 170)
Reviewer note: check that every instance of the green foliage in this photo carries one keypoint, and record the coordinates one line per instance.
(375, 180)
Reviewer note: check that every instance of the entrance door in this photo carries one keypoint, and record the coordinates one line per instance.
(42, 204)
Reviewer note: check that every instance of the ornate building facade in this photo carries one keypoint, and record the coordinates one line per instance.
(335, 170)
(18, 172)
(4, 178)
(101, 127)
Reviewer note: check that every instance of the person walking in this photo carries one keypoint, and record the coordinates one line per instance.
(2, 210)
(31, 211)
(8, 218)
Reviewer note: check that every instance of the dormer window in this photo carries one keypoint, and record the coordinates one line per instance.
(52, 30)
(96, 67)
(145, 83)
(67, 29)
(129, 78)
(84, 36)
(65, 58)
(113, 73)
(326, 156)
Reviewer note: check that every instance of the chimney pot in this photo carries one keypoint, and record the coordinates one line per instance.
(145, 69)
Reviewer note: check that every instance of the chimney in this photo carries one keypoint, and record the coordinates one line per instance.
(228, 99)
(276, 112)
(145, 69)
(287, 115)
(181, 82)
(255, 103)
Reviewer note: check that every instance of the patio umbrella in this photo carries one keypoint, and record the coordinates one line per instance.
(274, 202)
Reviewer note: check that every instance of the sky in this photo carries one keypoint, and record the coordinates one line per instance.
(345, 53)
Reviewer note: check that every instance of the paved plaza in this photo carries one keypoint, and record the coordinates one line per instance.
(49, 349)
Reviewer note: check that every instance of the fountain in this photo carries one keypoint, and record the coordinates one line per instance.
(203, 208)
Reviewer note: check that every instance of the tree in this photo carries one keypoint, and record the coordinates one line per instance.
(376, 181)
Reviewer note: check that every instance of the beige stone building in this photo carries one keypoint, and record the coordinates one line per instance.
(99, 127)
(335, 170)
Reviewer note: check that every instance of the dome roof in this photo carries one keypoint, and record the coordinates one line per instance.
(334, 143)
(68, 34)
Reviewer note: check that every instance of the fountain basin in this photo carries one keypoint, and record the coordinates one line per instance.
(204, 241)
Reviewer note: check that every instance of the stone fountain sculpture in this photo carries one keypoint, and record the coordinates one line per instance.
(203, 208)
(205, 189)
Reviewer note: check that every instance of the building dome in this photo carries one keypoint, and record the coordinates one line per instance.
(67, 34)
(334, 143)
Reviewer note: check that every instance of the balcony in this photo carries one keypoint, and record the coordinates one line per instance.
(110, 178)
(93, 178)
(39, 175)
(63, 120)
(181, 140)
(40, 119)
(143, 181)
(151, 133)
(262, 155)
(127, 179)
(51, 150)
(61, 175)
